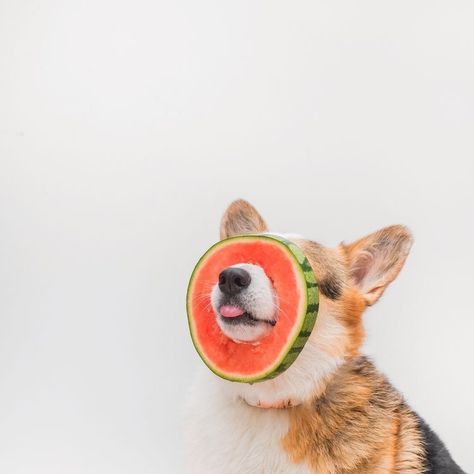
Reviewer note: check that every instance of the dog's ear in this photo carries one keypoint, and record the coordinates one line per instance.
(375, 260)
(241, 218)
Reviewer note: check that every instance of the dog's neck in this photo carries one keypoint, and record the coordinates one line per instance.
(305, 379)
(293, 399)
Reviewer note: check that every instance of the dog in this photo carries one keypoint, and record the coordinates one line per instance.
(331, 411)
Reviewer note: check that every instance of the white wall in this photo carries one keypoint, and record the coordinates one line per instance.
(126, 128)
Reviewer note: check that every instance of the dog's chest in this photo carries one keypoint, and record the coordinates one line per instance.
(229, 436)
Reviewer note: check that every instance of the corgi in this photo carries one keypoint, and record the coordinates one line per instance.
(331, 411)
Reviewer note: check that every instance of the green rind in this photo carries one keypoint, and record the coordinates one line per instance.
(307, 322)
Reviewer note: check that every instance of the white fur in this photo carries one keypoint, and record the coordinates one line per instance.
(259, 299)
(226, 435)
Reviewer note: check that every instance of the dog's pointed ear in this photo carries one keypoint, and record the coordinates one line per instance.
(375, 260)
(241, 218)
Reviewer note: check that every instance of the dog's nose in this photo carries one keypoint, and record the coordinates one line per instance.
(233, 280)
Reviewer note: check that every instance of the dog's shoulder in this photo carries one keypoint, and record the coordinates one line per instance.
(412, 429)
(362, 418)
(366, 420)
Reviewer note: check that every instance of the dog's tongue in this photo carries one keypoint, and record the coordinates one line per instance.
(231, 311)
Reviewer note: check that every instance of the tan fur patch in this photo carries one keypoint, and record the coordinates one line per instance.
(410, 453)
(348, 308)
(359, 425)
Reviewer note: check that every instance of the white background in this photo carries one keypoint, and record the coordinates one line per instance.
(125, 130)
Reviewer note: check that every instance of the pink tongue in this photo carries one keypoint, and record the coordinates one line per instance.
(230, 311)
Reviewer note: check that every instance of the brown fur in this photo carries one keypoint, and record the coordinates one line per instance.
(360, 424)
(348, 308)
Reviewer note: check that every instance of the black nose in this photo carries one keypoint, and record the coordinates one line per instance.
(233, 280)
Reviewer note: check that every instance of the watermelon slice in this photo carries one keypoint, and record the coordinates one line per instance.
(297, 292)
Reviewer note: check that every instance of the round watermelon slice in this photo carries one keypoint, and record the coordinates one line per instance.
(296, 289)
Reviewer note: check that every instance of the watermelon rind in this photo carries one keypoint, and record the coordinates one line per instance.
(305, 322)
